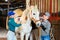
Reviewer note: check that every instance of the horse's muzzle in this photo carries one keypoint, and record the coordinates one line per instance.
(38, 23)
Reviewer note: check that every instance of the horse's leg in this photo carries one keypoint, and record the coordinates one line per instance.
(39, 32)
(27, 36)
(22, 36)
(31, 36)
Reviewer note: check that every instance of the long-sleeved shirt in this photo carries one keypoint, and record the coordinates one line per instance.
(12, 24)
(47, 25)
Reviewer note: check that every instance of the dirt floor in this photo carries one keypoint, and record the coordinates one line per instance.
(56, 32)
(3, 33)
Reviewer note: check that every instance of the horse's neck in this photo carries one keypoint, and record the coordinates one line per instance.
(28, 19)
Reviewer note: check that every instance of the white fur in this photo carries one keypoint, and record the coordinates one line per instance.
(26, 24)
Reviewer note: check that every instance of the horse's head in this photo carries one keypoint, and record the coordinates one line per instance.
(35, 15)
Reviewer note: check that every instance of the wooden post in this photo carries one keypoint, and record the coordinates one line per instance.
(41, 5)
(56, 9)
(7, 16)
(56, 6)
(48, 5)
(50, 9)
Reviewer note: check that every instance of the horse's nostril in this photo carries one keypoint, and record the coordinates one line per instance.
(33, 13)
(38, 25)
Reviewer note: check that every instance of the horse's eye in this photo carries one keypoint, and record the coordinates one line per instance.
(33, 13)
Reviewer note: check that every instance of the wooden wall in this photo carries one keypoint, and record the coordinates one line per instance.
(58, 5)
(47, 5)
(52, 6)
(42, 5)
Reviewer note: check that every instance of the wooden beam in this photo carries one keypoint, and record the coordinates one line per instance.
(50, 6)
(50, 10)
(4, 4)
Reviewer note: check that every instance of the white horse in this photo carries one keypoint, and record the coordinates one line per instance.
(29, 14)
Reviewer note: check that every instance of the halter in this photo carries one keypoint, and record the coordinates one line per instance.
(34, 20)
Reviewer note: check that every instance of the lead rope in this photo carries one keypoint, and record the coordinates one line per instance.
(51, 35)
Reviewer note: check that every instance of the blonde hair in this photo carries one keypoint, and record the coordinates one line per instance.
(18, 11)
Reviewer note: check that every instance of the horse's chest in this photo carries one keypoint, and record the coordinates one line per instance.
(33, 25)
(27, 24)
(26, 27)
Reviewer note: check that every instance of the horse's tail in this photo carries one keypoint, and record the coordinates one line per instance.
(7, 22)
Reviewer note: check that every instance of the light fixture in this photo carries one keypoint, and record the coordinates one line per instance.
(6, 0)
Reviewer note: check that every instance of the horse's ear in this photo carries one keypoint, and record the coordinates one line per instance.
(36, 7)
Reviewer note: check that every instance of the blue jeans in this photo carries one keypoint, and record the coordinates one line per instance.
(45, 37)
(11, 36)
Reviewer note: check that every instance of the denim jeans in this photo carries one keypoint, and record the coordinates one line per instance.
(45, 37)
(11, 36)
